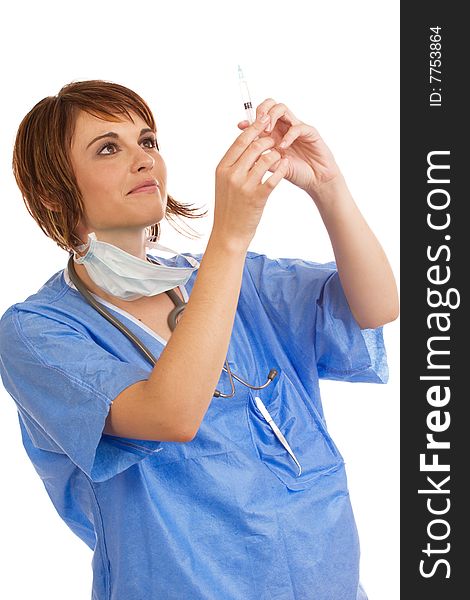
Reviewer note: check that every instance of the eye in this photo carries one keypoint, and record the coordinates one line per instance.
(152, 141)
(106, 146)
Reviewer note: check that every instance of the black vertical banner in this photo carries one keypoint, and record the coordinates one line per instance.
(435, 261)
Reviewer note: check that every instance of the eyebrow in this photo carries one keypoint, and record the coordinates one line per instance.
(112, 134)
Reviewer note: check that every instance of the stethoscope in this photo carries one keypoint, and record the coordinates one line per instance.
(172, 322)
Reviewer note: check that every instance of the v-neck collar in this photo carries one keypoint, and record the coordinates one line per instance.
(124, 313)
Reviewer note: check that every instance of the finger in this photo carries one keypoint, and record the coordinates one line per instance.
(278, 174)
(242, 142)
(296, 131)
(254, 153)
(276, 164)
(282, 113)
(264, 107)
(265, 163)
(244, 124)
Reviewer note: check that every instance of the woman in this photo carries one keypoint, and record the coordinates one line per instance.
(182, 491)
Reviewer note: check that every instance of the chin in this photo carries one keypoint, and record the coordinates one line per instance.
(155, 214)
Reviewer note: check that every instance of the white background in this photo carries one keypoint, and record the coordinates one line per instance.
(336, 66)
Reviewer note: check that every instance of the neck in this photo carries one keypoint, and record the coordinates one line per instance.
(132, 242)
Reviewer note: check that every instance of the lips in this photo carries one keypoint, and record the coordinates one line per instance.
(149, 186)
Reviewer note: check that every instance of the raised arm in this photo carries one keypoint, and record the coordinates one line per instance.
(363, 268)
(172, 403)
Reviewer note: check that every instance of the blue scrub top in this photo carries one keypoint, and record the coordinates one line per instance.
(227, 515)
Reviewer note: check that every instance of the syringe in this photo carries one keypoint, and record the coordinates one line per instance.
(245, 97)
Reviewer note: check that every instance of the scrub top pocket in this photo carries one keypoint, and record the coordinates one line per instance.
(304, 450)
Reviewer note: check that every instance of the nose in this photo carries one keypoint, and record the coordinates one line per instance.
(142, 160)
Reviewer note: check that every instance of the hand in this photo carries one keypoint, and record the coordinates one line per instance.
(240, 194)
(311, 163)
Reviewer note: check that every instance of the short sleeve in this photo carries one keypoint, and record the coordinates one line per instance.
(343, 350)
(64, 383)
(306, 303)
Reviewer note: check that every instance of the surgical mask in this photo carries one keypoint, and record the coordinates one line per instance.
(123, 275)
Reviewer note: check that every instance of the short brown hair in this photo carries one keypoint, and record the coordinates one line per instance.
(41, 162)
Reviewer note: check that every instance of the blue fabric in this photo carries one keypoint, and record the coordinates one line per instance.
(225, 515)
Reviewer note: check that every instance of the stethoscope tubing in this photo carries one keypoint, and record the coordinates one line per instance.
(172, 322)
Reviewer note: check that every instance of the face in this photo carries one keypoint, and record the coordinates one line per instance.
(109, 168)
